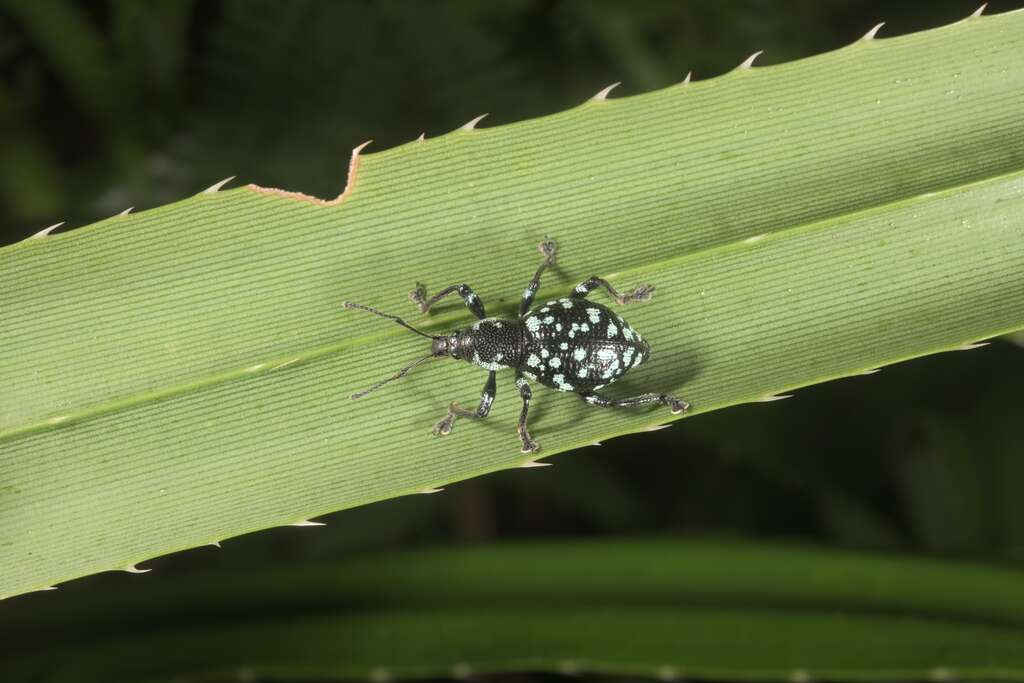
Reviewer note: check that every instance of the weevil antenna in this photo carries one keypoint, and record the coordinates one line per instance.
(349, 304)
(398, 375)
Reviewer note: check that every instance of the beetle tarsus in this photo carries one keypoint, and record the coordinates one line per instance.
(419, 297)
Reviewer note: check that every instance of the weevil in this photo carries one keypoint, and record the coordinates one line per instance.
(569, 344)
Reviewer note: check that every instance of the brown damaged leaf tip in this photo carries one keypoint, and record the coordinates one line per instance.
(353, 169)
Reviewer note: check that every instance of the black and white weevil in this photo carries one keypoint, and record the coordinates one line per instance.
(569, 344)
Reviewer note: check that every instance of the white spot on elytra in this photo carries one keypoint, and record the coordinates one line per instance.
(564, 346)
(612, 330)
(533, 361)
(555, 362)
(594, 314)
(533, 324)
(579, 353)
(566, 303)
(544, 353)
(627, 355)
(584, 327)
(627, 332)
(582, 372)
(549, 319)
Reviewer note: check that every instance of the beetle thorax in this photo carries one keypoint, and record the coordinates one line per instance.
(491, 343)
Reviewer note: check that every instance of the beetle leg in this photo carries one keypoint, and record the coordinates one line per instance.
(529, 445)
(547, 247)
(473, 303)
(444, 426)
(677, 405)
(641, 293)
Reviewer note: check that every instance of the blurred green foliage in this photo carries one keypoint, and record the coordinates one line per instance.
(112, 103)
(105, 105)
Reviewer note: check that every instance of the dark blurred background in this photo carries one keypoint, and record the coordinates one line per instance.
(118, 103)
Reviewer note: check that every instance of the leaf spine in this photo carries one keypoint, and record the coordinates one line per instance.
(870, 35)
(471, 125)
(603, 95)
(774, 397)
(749, 61)
(213, 189)
(45, 232)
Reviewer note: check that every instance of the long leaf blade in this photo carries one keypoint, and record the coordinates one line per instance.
(181, 376)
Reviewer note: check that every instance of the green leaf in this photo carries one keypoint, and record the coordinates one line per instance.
(180, 376)
(651, 608)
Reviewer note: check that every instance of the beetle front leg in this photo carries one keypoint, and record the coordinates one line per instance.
(547, 247)
(641, 293)
(473, 303)
(529, 445)
(444, 426)
(676, 405)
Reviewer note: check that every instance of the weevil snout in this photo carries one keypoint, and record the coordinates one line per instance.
(439, 346)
